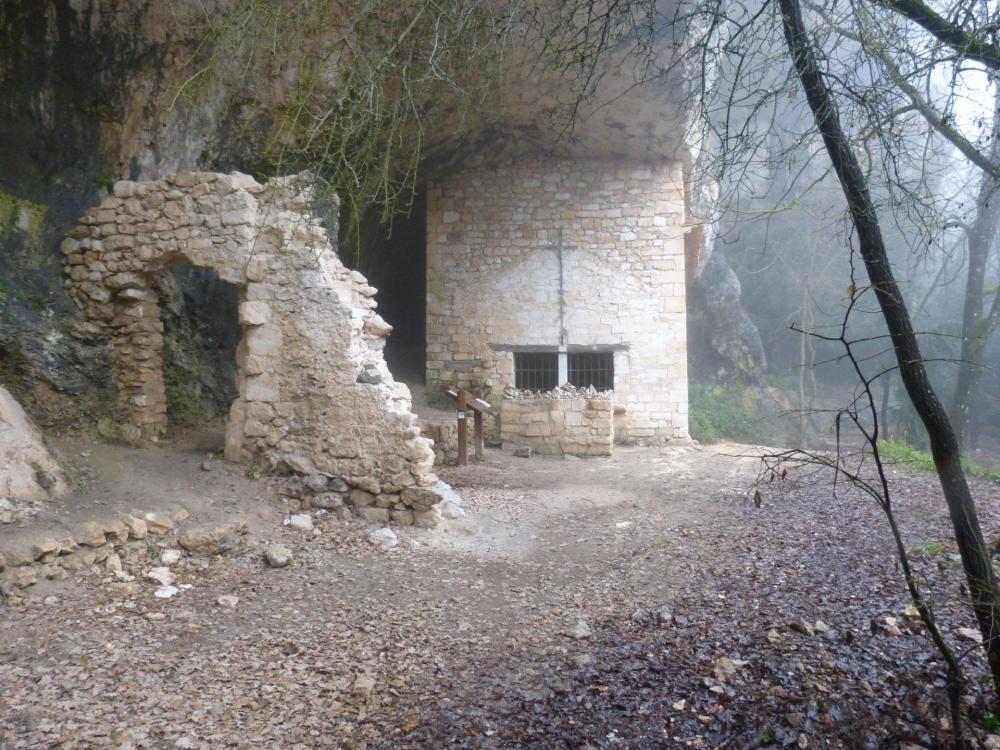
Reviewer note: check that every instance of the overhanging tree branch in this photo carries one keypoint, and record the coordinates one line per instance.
(965, 43)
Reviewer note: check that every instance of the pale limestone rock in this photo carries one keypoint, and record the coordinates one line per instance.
(21, 577)
(203, 539)
(170, 556)
(41, 549)
(136, 526)
(91, 534)
(278, 555)
(27, 469)
(374, 515)
(113, 564)
(328, 500)
(402, 517)
(161, 575)
(301, 521)
(360, 499)
(158, 523)
(254, 313)
(383, 538)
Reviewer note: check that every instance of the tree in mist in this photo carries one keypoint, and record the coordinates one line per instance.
(981, 306)
(943, 440)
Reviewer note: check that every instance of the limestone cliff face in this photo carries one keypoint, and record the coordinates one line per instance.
(86, 90)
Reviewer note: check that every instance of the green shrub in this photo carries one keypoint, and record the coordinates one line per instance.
(718, 413)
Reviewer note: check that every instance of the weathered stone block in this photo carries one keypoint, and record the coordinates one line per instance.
(254, 313)
(360, 498)
(373, 514)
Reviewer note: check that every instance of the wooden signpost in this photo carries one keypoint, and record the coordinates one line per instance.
(478, 407)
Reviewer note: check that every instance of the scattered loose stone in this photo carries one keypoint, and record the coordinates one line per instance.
(136, 526)
(41, 549)
(228, 601)
(170, 556)
(302, 521)
(158, 523)
(383, 538)
(91, 534)
(22, 577)
(579, 631)
(206, 466)
(165, 592)
(278, 555)
(113, 564)
(969, 634)
(155, 616)
(890, 627)
(162, 576)
(204, 540)
(117, 532)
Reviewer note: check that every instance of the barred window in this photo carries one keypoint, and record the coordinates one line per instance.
(595, 369)
(536, 371)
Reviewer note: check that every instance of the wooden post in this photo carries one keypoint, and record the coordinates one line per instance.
(463, 451)
(478, 435)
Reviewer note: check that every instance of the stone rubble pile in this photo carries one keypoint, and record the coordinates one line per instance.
(424, 507)
(112, 549)
(315, 397)
(566, 390)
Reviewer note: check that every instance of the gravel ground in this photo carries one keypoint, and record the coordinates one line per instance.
(641, 601)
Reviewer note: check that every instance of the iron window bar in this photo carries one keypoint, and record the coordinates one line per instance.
(536, 371)
(595, 369)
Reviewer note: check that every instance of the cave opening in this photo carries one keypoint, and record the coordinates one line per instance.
(393, 257)
(201, 333)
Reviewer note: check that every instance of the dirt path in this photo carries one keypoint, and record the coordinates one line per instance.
(476, 635)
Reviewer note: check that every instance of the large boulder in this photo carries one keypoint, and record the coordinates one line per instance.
(27, 469)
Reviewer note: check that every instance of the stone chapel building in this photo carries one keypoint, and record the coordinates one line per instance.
(542, 272)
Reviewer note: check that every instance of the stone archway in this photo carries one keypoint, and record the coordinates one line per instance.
(314, 393)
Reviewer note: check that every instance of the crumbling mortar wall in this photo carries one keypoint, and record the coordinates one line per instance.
(549, 252)
(314, 393)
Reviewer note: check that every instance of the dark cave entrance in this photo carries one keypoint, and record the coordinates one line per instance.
(394, 260)
(201, 332)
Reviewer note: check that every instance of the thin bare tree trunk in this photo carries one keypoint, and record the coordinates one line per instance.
(944, 444)
(976, 331)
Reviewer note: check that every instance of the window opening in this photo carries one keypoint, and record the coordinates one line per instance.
(595, 369)
(536, 371)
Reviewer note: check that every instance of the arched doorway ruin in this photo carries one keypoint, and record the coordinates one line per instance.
(314, 393)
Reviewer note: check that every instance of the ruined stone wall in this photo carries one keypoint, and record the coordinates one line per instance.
(558, 426)
(315, 395)
(563, 253)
